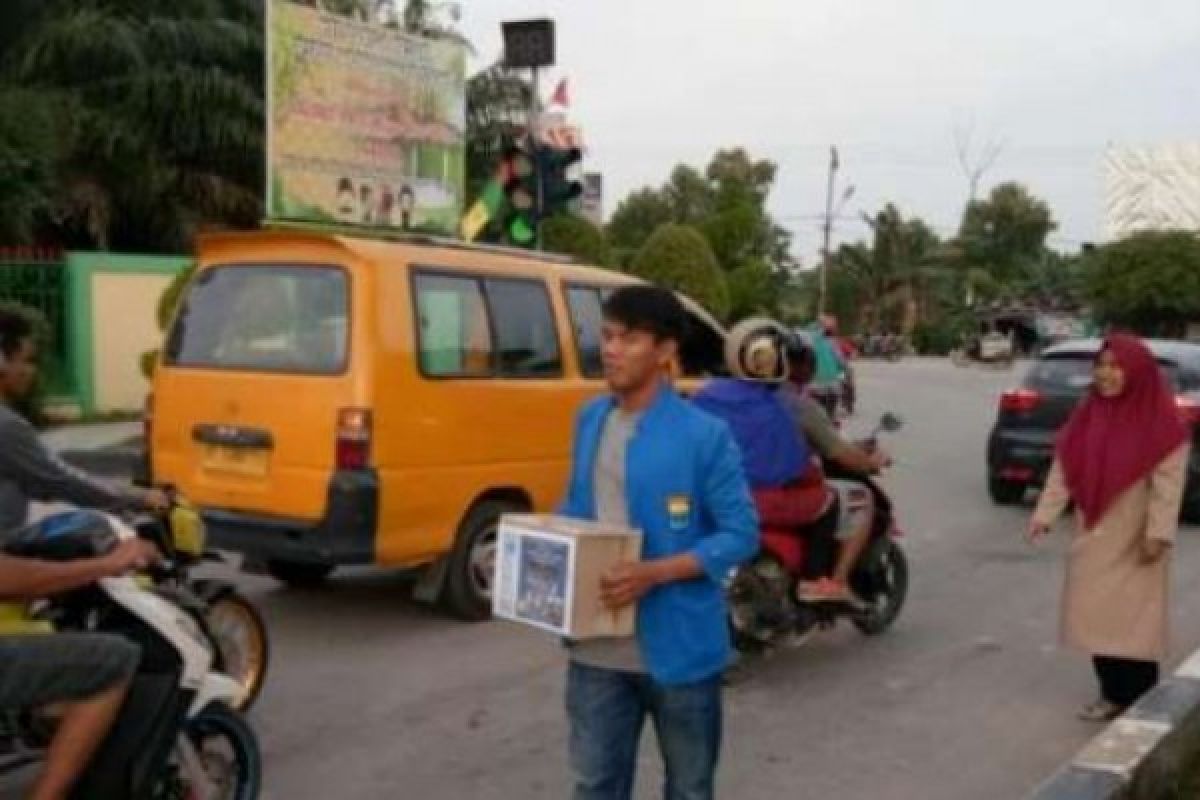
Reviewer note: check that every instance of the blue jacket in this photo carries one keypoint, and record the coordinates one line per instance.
(687, 494)
(772, 453)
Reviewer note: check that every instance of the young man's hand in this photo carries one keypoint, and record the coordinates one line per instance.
(627, 582)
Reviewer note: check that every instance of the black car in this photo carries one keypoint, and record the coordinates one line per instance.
(1021, 448)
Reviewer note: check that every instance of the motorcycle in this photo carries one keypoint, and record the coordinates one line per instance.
(176, 736)
(763, 608)
(235, 627)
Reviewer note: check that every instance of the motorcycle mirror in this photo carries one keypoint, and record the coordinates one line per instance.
(891, 422)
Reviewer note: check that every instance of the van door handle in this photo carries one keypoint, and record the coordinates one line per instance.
(233, 436)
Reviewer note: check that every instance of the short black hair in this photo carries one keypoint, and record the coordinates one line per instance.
(15, 328)
(650, 309)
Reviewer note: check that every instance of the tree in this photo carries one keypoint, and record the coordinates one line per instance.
(158, 111)
(679, 257)
(575, 236)
(752, 291)
(1006, 231)
(727, 203)
(1148, 281)
(635, 220)
(889, 273)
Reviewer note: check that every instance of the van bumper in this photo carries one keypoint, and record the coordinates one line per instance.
(345, 535)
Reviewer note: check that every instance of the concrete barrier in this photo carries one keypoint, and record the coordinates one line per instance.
(1145, 754)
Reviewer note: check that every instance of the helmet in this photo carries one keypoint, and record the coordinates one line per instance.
(755, 350)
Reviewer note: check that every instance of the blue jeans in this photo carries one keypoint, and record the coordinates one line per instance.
(607, 709)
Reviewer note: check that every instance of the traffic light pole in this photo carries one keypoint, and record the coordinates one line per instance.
(534, 132)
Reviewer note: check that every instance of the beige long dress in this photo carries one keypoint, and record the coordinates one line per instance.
(1113, 603)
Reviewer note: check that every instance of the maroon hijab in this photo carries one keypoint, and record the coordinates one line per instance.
(1109, 444)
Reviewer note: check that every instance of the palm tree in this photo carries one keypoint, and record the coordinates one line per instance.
(159, 108)
(890, 272)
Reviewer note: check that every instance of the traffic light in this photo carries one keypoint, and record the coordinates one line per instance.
(518, 169)
(559, 190)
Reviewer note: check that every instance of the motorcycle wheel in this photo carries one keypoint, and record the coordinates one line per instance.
(758, 604)
(228, 751)
(243, 650)
(883, 584)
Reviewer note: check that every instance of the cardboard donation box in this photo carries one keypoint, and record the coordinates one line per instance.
(548, 574)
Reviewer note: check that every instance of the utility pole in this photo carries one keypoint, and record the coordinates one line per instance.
(828, 231)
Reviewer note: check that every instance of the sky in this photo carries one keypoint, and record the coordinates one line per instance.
(890, 82)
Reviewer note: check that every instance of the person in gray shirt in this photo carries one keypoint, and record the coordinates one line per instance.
(86, 674)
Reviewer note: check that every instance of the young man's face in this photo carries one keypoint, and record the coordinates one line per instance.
(19, 371)
(633, 358)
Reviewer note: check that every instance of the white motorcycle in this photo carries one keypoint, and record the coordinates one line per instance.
(177, 736)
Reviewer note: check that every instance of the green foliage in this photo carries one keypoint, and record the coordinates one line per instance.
(727, 203)
(1006, 231)
(679, 257)
(1149, 281)
(752, 291)
(937, 337)
(575, 236)
(874, 281)
(637, 217)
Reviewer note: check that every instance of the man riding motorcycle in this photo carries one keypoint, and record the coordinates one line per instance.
(810, 418)
(84, 675)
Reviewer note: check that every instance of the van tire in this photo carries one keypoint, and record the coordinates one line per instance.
(462, 595)
(299, 575)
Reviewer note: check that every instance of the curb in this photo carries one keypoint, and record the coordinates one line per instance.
(1144, 753)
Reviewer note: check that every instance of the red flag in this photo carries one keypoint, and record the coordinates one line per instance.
(560, 96)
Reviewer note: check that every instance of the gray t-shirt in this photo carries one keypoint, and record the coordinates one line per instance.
(811, 420)
(28, 471)
(612, 506)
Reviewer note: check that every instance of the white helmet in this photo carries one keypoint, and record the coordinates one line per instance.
(755, 350)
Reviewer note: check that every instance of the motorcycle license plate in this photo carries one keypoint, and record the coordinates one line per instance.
(250, 462)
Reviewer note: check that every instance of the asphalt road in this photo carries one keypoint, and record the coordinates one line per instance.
(371, 695)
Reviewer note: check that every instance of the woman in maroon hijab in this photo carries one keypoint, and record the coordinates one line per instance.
(1122, 460)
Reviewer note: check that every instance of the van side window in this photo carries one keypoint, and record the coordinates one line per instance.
(455, 340)
(587, 316)
(526, 336)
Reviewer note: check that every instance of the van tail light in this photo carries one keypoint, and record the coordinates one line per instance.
(1189, 408)
(1021, 401)
(353, 438)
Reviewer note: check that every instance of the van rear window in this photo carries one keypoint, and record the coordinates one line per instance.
(263, 318)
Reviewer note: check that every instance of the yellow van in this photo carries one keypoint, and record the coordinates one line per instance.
(330, 400)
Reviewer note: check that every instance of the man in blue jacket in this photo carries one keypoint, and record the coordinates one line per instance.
(646, 458)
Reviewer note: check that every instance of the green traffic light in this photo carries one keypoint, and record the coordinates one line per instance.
(520, 231)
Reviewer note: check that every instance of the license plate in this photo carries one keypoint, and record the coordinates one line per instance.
(251, 462)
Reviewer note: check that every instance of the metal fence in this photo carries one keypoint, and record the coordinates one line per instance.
(37, 279)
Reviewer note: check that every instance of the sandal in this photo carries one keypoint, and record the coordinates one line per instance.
(1100, 711)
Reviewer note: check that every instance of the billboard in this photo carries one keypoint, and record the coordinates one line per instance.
(365, 124)
(1151, 188)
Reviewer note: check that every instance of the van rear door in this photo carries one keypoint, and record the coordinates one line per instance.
(253, 375)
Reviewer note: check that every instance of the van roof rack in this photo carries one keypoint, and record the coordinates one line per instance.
(423, 239)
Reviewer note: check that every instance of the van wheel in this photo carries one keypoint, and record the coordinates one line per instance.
(299, 575)
(468, 592)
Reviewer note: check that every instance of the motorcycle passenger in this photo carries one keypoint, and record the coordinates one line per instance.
(788, 485)
(85, 676)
